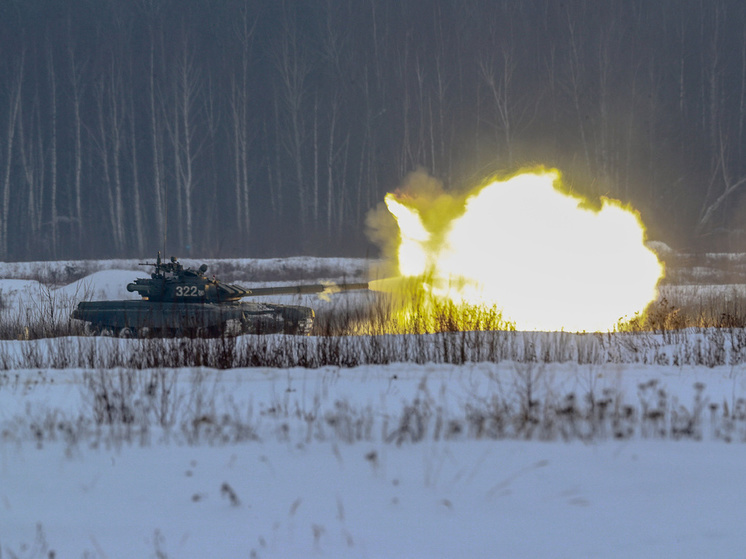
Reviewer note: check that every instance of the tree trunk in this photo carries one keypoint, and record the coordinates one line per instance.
(155, 131)
(75, 81)
(136, 202)
(103, 149)
(13, 108)
(116, 116)
(53, 150)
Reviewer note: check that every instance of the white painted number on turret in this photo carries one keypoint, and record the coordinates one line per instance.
(189, 291)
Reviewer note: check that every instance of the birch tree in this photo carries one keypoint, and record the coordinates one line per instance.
(14, 101)
(240, 105)
(52, 149)
(184, 145)
(292, 69)
(76, 87)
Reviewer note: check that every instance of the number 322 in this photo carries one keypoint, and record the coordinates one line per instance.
(186, 291)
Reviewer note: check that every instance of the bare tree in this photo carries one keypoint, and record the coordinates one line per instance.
(713, 202)
(316, 147)
(188, 85)
(137, 208)
(742, 99)
(576, 66)
(52, 148)
(14, 103)
(210, 136)
(331, 157)
(182, 131)
(240, 103)
(107, 142)
(76, 85)
(499, 85)
(713, 80)
(31, 150)
(497, 69)
(116, 131)
(292, 70)
(156, 128)
(276, 179)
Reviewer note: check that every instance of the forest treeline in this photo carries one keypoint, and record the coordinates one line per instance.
(253, 128)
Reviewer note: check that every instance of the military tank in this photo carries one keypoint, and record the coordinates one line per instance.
(178, 301)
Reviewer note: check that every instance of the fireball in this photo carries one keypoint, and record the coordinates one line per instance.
(545, 258)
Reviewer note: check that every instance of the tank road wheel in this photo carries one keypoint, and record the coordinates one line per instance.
(305, 326)
(298, 321)
(144, 332)
(232, 327)
(127, 332)
(301, 327)
(95, 329)
(182, 332)
(208, 332)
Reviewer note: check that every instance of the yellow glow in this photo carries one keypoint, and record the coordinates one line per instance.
(413, 238)
(543, 257)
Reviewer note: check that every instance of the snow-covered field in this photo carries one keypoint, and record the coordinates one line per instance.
(622, 457)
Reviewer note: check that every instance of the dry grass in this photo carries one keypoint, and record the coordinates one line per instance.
(131, 407)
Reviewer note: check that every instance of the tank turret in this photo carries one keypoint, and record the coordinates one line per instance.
(173, 282)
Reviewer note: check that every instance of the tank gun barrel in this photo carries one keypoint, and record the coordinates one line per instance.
(305, 289)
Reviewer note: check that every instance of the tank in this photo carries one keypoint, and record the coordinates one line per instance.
(178, 301)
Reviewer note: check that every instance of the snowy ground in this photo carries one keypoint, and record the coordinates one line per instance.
(297, 487)
(478, 499)
(373, 461)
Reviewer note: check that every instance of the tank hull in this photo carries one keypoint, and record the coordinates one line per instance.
(169, 318)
